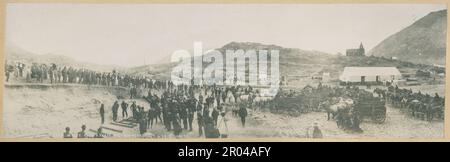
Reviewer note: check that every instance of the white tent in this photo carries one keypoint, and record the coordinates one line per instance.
(370, 74)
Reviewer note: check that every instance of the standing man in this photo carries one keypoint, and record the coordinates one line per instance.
(21, 66)
(150, 116)
(200, 98)
(9, 70)
(200, 123)
(165, 111)
(183, 112)
(133, 92)
(242, 113)
(124, 109)
(215, 115)
(157, 107)
(133, 109)
(115, 108)
(191, 111)
(200, 118)
(142, 122)
(50, 73)
(102, 113)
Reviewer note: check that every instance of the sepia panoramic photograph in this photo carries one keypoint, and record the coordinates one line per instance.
(195, 71)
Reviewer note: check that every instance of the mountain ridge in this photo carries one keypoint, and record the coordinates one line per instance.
(424, 41)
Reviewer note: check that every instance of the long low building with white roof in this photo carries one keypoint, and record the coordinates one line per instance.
(369, 74)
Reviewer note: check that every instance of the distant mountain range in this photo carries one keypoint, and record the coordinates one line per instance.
(15, 53)
(422, 42)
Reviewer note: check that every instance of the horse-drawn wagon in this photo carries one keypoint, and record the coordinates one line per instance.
(289, 104)
(307, 100)
(350, 110)
(371, 107)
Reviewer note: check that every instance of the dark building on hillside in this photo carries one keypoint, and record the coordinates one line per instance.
(356, 52)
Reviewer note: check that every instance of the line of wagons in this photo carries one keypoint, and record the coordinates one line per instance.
(421, 106)
(363, 103)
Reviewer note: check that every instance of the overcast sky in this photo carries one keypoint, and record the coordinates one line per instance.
(134, 34)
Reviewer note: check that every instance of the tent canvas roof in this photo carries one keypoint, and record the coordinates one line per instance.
(370, 71)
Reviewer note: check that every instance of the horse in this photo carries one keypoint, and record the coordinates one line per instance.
(334, 109)
(404, 102)
(434, 109)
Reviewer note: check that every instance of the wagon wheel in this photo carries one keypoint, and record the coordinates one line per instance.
(379, 116)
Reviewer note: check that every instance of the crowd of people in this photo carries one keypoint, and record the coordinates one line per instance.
(16, 70)
(51, 73)
(176, 108)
